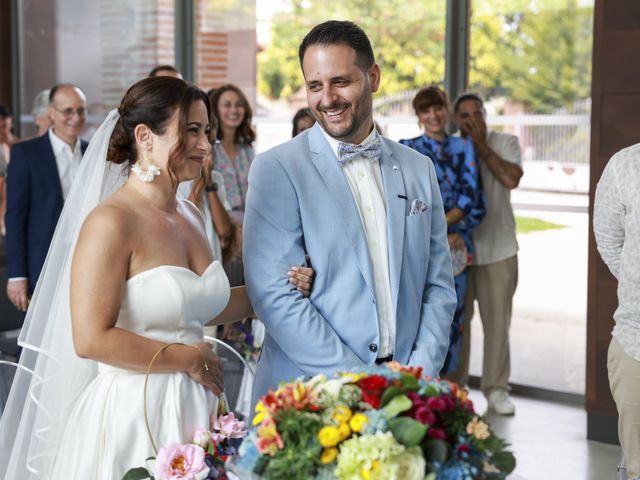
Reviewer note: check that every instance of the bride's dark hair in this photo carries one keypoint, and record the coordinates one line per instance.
(153, 102)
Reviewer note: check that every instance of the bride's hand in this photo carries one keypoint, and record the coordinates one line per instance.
(208, 369)
(301, 278)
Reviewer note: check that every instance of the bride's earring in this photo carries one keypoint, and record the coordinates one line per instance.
(150, 173)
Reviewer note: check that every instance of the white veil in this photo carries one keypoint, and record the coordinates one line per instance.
(39, 404)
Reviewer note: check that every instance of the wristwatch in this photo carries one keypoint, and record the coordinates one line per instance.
(211, 188)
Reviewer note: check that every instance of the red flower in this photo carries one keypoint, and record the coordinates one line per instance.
(372, 397)
(463, 448)
(437, 434)
(373, 382)
(437, 403)
(425, 415)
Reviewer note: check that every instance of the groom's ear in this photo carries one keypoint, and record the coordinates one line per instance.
(142, 134)
(374, 77)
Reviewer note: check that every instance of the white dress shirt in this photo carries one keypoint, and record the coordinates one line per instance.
(365, 180)
(616, 225)
(67, 160)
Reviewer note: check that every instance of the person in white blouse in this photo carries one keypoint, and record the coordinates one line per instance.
(616, 225)
(38, 180)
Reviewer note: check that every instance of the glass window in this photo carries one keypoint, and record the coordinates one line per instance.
(103, 46)
(531, 61)
(226, 44)
(408, 41)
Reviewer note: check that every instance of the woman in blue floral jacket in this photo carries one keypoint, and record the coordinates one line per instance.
(464, 200)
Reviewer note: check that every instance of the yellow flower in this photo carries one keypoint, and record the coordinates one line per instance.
(353, 377)
(329, 436)
(260, 413)
(342, 413)
(328, 455)
(358, 421)
(367, 474)
(344, 430)
(478, 429)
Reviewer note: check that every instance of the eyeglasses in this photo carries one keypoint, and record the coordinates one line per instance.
(68, 112)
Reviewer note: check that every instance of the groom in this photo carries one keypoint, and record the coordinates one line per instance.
(369, 214)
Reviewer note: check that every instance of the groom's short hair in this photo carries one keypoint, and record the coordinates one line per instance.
(335, 32)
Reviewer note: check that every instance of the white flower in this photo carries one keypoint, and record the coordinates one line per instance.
(411, 464)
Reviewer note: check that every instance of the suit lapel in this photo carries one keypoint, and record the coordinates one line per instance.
(325, 162)
(393, 182)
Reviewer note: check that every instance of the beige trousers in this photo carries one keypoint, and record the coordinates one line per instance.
(493, 287)
(624, 380)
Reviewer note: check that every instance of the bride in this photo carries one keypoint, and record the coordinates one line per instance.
(121, 282)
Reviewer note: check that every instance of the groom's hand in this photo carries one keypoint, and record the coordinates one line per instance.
(209, 372)
(18, 293)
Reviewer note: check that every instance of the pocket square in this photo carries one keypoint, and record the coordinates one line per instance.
(417, 207)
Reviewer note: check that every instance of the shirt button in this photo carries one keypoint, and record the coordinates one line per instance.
(361, 174)
(373, 347)
(373, 244)
(367, 209)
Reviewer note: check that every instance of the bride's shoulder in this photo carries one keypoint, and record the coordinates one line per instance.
(109, 218)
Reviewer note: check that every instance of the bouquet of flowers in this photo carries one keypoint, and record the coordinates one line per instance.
(204, 458)
(385, 422)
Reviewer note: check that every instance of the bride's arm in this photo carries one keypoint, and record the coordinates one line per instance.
(98, 278)
(240, 308)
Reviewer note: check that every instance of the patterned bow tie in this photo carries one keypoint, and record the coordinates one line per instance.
(347, 151)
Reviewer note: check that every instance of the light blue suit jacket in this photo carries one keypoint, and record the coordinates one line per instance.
(299, 202)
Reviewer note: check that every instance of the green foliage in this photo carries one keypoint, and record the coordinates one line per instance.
(534, 52)
(407, 431)
(301, 457)
(504, 461)
(139, 473)
(436, 451)
(396, 406)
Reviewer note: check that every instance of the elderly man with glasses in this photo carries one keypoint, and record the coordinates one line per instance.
(39, 178)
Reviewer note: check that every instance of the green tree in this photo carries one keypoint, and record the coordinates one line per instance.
(535, 52)
(407, 37)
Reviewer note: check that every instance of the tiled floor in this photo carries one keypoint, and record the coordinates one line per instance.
(549, 441)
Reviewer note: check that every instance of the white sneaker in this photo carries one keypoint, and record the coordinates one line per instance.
(500, 402)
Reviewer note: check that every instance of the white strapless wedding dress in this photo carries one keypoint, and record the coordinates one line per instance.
(105, 434)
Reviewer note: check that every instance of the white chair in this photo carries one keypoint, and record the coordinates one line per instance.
(238, 376)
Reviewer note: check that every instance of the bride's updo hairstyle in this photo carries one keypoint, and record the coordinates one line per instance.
(153, 102)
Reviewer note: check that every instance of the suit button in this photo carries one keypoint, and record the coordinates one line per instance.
(373, 347)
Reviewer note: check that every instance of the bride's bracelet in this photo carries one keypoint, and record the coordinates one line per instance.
(205, 367)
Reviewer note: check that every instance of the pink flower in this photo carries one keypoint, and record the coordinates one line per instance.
(436, 403)
(425, 415)
(177, 461)
(227, 426)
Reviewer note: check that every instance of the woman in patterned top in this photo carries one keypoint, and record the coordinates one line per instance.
(234, 149)
(461, 189)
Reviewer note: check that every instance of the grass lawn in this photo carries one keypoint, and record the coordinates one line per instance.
(531, 224)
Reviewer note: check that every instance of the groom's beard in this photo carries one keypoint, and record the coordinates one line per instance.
(358, 113)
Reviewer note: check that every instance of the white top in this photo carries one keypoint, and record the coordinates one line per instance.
(365, 180)
(67, 160)
(495, 238)
(184, 189)
(616, 224)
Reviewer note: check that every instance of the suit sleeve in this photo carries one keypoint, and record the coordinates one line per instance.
(17, 213)
(439, 295)
(273, 242)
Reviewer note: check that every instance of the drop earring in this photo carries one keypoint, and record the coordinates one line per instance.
(150, 173)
